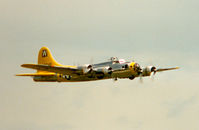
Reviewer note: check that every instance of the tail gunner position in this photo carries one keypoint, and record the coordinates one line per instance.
(49, 70)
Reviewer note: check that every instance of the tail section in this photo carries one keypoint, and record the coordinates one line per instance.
(45, 57)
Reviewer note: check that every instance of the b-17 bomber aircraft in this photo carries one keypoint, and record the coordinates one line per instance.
(48, 70)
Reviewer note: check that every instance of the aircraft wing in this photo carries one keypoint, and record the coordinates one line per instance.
(55, 69)
(165, 69)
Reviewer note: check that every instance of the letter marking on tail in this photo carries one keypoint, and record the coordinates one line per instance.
(44, 53)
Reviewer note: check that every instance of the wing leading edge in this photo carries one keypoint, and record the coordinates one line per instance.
(165, 69)
(56, 69)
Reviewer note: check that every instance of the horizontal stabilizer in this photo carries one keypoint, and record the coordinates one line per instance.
(67, 70)
(37, 74)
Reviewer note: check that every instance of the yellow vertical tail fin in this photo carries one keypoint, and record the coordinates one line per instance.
(45, 57)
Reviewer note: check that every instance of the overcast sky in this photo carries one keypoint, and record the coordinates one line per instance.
(163, 33)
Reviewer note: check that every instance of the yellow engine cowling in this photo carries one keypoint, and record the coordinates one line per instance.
(134, 68)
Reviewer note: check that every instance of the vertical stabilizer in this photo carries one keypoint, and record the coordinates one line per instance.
(45, 57)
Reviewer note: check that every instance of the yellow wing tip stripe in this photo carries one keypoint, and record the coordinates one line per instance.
(177, 68)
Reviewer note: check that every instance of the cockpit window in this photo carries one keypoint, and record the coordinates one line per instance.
(114, 59)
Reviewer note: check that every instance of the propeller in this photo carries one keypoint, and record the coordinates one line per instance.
(90, 68)
(141, 79)
(140, 75)
(153, 70)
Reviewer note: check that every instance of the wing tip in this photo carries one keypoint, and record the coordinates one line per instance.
(19, 75)
(177, 67)
(24, 65)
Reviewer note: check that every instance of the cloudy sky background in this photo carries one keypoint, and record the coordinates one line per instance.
(163, 33)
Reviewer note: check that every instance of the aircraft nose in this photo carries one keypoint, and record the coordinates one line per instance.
(135, 67)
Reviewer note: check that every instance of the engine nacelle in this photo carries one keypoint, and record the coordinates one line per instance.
(105, 70)
(87, 68)
(148, 70)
